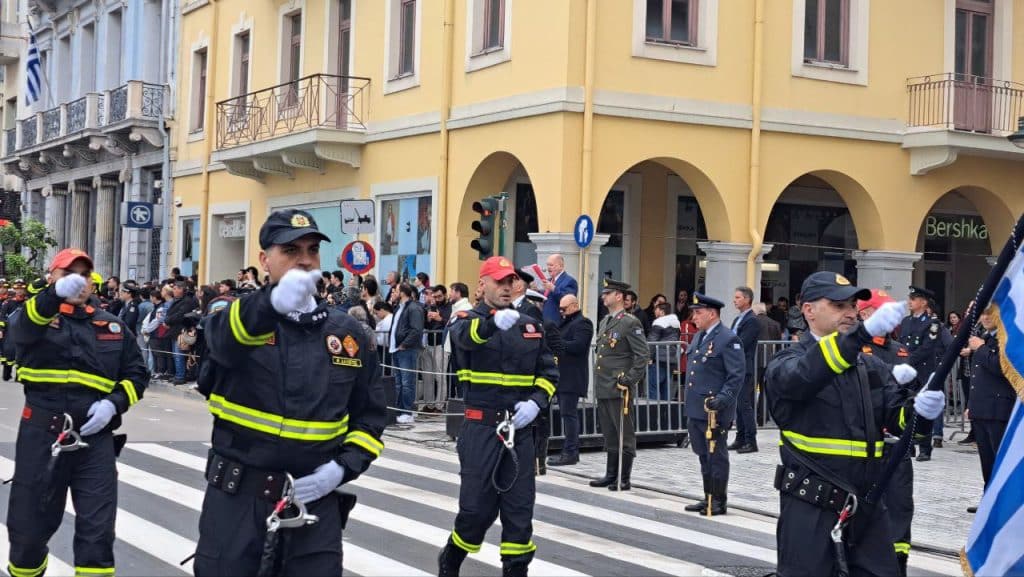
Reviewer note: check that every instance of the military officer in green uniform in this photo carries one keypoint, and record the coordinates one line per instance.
(621, 362)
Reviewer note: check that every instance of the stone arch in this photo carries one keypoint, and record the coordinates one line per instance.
(994, 211)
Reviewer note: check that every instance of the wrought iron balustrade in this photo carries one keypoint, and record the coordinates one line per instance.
(28, 132)
(76, 115)
(51, 124)
(118, 104)
(964, 102)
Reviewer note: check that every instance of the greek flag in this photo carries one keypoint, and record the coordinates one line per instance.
(33, 72)
(994, 544)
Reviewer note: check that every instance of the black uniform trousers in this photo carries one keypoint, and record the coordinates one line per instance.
(899, 500)
(36, 506)
(232, 529)
(714, 465)
(746, 424)
(480, 503)
(609, 413)
(988, 433)
(805, 546)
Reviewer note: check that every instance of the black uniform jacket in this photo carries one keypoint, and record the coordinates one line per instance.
(289, 394)
(574, 365)
(69, 357)
(817, 397)
(500, 368)
(992, 395)
(714, 367)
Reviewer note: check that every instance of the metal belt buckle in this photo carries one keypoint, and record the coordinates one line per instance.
(275, 521)
(59, 446)
(507, 432)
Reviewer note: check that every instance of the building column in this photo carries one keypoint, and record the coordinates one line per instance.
(78, 236)
(727, 269)
(134, 241)
(106, 220)
(56, 216)
(891, 271)
(564, 243)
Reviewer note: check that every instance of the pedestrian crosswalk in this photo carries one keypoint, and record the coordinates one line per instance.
(407, 502)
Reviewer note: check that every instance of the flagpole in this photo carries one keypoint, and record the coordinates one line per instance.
(937, 378)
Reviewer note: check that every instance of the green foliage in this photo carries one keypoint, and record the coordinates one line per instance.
(24, 248)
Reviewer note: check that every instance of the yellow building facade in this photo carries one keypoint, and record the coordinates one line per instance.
(714, 143)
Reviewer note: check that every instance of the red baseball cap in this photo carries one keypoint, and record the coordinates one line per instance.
(497, 267)
(67, 256)
(878, 298)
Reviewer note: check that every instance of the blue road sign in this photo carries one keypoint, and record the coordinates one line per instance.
(358, 257)
(583, 231)
(140, 215)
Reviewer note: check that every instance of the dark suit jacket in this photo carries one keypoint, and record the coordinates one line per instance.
(408, 329)
(564, 285)
(175, 318)
(747, 331)
(992, 395)
(574, 365)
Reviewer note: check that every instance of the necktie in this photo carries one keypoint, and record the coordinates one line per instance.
(700, 338)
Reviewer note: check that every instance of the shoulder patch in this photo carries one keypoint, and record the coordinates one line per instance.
(867, 350)
(737, 346)
(638, 331)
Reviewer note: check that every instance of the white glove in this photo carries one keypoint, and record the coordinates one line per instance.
(295, 291)
(929, 404)
(506, 318)
(70, 286)
(526, 412)
(99, 415)
(886, 318)
(904, 373)
(319, 483)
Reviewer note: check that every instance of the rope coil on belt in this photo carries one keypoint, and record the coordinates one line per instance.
(508, 445)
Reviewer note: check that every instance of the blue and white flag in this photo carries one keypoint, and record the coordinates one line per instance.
(995, 546)
(33, 72)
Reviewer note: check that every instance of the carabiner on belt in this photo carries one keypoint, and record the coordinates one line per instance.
(59, 446)
(275, 521)
(506, 432)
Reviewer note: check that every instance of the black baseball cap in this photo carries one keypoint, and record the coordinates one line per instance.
(831, 286)
(284, 226)
(700, 301)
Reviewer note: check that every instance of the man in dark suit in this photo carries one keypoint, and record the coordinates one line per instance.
(714, 377)
(746, 327)
(577, 332)
(558, 285)
(404, 344)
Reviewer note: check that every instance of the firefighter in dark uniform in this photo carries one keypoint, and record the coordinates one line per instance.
(509, 376)
(832, 406)
(621, 362)
(11, 304)
(899, 496)
(926, 338)
(81, 369)
(8, 352)
(714, 376)
(294, 389)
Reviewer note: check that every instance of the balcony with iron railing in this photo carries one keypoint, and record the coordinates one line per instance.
(134, 108)
(301, 124)
(950, 114)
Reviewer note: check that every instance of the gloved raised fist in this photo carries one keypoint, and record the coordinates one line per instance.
(526, 412)
(295, 292)
(319, 483)
(70, 285)
(904, 373)
(506, 318)
(929, 404)
(886, 318)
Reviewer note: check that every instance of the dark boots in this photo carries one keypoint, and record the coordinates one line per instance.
(627, 470)
(901, 560)
(563, 459)
(611, 472)
(449, 561)
(514, 569)
(702, 505)
(718, 489)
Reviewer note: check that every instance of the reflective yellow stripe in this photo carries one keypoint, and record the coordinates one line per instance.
(503, 379)
(238, 329)
(276, 424)
(90, 571)
(546, 385)
(129, 388)
(901, 547)
(66, 377)
(33, 314)
(463, 545)
(903, 418)
(366, 441)
(474, 325)
(16, 571)
(517, 548)
(826, 446)
(830, 350)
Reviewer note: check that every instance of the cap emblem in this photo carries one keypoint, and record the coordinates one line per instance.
(300, 221)
(504, 263)
(841, 280)
(695, 301)
(882, 293)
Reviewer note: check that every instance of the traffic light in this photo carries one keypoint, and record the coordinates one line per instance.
(487, 208)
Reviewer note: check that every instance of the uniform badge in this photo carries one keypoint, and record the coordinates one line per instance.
(114, 328)
(902, 352)
(530, 332)
(350, 345)
(333, 344)
(866, 350)
(300, 221)
(842, 280)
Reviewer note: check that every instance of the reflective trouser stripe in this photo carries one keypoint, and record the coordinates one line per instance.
(16, 571)
(901, 547)
(512, 549)
(826, 446)
(458, 542)
(93, 571)
(276, 424)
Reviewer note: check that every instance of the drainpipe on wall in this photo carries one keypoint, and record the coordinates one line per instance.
(586, 178)
(210, 123)
(167, 192)
(755, 148)
(447, 30)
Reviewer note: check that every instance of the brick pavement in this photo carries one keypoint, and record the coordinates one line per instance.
(943, 487)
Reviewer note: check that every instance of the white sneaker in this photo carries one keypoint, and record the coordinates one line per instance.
(404, 419)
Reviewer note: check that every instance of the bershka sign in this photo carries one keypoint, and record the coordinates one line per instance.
(965, 227)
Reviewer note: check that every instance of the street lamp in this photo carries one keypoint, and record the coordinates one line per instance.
(1017, 138)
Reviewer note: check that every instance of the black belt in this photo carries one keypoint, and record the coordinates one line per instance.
(49, 420)
(810, 488)
(489, 417)
(236, 478)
